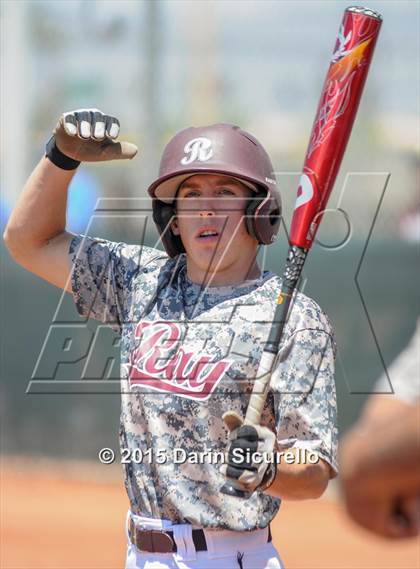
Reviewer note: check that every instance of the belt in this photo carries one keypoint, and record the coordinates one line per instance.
(157, 541)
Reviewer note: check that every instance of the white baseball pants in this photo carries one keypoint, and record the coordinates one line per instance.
(226, 549)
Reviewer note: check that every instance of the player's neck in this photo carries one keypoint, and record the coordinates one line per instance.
(236, 273)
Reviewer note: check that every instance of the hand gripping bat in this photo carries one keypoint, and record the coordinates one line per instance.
(331, 130)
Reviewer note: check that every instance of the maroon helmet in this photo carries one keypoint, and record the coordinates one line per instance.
(217, 149)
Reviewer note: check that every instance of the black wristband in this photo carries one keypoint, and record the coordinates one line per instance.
(53, 153)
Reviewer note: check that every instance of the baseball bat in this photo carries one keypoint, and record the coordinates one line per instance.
(340, 97)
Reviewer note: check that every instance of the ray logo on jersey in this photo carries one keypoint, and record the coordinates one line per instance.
(159, 363)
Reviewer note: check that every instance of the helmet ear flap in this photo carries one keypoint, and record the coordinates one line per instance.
(250, 212)
(263, 216)
(163, 215)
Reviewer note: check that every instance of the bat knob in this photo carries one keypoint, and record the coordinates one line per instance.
(230, 490)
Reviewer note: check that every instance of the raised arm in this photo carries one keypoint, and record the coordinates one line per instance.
(35, 234)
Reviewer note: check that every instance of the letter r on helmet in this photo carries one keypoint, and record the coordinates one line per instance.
(197, 149)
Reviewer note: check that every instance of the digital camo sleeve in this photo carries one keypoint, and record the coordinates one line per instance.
(102, 276)
(305, 395)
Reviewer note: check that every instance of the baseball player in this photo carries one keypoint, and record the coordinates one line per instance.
(193, 321)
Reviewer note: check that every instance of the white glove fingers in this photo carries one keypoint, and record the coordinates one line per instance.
(266, 439)
(112, 127)
(98, 125)
(84, 120)
(97, 132)
(69, 123)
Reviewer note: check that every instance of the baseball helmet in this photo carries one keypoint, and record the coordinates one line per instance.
(217, 149)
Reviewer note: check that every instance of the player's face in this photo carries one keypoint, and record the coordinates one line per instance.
(210, 221)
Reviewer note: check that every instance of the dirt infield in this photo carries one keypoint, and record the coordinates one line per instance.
(71, 516)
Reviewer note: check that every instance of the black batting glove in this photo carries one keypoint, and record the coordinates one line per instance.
(250, 460)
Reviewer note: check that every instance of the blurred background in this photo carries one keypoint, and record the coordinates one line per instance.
(160, 66)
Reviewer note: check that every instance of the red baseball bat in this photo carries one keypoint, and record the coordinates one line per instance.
(331, 130)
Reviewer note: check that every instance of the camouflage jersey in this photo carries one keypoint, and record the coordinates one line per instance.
(189, 354)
